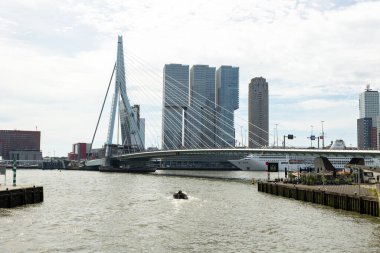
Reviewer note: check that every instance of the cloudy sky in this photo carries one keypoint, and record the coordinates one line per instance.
(56, 59)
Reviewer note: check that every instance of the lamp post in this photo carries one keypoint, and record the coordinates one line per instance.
(276, 135)
(311, 137)
(241, 131)
(290, 137)
(323, 136)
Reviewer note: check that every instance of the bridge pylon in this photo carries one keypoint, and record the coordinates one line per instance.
(131, 133)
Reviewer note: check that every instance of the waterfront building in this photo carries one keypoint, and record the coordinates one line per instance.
(175, 103)
(200, 115)
(368, 108)
(258, 113)
(21, 144)
(79, 151)
(227, 101)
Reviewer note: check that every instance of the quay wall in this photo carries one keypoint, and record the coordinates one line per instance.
(10, 198)
(360, 204)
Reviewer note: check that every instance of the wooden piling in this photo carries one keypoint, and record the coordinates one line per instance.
(17, 196)
(360, 204)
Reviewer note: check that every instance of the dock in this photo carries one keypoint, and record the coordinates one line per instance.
(13, 196)
(363, 200)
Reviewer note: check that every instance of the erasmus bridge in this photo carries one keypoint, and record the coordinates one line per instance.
(207, 150)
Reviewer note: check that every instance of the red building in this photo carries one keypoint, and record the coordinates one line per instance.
(15, 140)
(79, 152)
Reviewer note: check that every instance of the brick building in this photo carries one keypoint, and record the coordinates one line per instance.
(15, 140)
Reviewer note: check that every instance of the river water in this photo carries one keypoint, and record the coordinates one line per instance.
(106, 212)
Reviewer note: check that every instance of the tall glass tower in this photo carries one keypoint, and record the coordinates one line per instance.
(368, 138)
(200, 128)
(175, 103)
(227, 101)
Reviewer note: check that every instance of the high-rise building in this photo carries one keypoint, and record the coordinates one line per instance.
(200, 123)
(368, 109)
(364, 126)
(258, 113)
(128, 138)
(15, 140)
(198, 106)
(369, 104)
(175, 103)
(227, 101)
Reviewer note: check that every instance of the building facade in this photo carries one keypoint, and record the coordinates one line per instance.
(79, 151)
(227, 101)
(175, 103)
(258, 113)
(200, 123)
(199, 105)
(15, 140)
(368, 109)
(364, 128)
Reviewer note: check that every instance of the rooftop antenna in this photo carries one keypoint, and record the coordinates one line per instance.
(368, 87)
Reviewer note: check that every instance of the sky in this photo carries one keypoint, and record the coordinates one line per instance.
(56, 59)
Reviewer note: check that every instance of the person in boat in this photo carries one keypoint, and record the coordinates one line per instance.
(180, 195)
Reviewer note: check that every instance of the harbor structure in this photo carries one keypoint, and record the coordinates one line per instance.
(175, 103)
(258, 113)
(367, 136)
(338, 197)
(227, 101)
(20, 144)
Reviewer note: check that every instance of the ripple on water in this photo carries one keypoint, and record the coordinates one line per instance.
(105, 212)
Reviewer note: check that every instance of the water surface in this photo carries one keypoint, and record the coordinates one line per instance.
(106, 212)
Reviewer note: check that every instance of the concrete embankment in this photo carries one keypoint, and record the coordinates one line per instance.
(338, 198)
(12, 196)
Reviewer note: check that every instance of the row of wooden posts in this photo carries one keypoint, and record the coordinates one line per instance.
(354, 203)
(21, 196)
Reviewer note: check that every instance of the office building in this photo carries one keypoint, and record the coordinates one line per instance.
(25, 141)
(200, 115)
(127, 138)
(258, 113)
(227, 101)
(80, 151)
(368, 109)
(175, 103)
(364, 127)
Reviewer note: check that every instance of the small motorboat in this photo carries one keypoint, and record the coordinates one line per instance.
(180, 195)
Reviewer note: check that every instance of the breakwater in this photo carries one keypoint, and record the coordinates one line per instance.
(314, 194)
(17, 196)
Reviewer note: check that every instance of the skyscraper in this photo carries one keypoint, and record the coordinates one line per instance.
(200, 128)
(368, 109)
(258, 113)
(227, 101)
(175, 103)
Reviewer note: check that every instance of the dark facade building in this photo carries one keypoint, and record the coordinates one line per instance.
(258, 113)
(364, 126)
(15, 140)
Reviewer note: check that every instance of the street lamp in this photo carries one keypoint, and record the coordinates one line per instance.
(323, 136)
(290, 137)
(276, 135)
